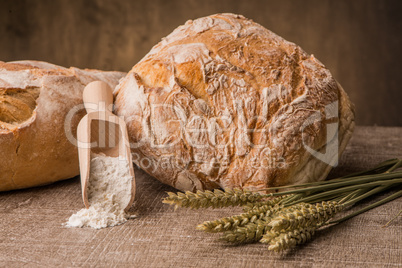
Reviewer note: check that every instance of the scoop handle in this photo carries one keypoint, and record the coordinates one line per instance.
(98, 96)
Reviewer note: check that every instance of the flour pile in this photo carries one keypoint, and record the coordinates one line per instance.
(109, 192)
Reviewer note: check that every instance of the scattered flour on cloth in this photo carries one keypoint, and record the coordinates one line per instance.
(109, 192)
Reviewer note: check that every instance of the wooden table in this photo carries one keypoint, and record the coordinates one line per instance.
(32, 232)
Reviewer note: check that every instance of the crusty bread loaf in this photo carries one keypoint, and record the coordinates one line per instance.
(35, 98)
(224, 102)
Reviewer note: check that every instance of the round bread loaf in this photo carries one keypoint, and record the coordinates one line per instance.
(39, 113)
(224, 102)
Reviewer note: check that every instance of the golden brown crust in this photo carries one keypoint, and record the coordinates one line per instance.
(224, 102)
(35, 99)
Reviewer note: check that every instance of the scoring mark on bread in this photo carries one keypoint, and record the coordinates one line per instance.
(17, 105)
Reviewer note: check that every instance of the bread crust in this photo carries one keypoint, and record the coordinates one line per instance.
(224, 102)
(35, 98)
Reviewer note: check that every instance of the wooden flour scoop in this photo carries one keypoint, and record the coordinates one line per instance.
(100, 131)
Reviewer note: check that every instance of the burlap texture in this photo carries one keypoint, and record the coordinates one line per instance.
(32, 233)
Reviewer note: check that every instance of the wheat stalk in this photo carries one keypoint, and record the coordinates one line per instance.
(289, 218)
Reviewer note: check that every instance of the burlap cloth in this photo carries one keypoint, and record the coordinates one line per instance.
(32, 233)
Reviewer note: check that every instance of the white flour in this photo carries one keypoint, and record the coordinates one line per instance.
(109, 192)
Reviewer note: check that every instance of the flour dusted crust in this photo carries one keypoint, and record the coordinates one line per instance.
(35, 98)
(224, 102)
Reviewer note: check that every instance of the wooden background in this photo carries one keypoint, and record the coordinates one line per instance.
(359, 41)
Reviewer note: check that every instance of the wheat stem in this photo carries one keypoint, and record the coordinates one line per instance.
(376, 204)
